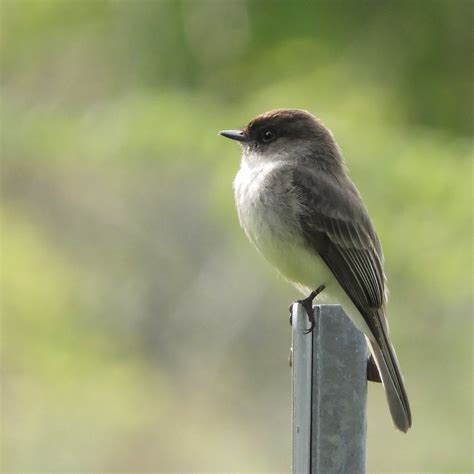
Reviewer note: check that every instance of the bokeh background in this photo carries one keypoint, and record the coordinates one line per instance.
(140, 330)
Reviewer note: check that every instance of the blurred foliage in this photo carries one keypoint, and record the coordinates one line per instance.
(140, 331)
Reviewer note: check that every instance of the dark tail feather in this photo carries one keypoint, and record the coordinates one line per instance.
(392, 379)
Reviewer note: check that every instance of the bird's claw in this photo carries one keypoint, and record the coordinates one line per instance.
(307, 304)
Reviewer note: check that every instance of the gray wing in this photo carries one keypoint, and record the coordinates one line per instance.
(337, 226)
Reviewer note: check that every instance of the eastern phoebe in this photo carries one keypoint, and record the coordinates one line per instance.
(298, 206)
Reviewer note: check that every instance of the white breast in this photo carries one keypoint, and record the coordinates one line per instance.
(268, 213)
(256, 216)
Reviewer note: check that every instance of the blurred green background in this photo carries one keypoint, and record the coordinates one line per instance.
(140, 330)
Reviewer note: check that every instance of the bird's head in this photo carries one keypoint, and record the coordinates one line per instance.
(285, 135)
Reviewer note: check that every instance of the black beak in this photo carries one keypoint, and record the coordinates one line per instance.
(234, 135)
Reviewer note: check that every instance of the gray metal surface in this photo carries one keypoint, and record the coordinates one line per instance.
(337, 408)
(301, 363)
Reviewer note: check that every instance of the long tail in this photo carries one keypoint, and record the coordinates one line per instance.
(387, 363)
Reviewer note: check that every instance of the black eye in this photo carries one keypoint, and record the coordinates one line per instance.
(267, 136)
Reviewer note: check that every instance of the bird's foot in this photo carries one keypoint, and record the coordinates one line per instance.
(307, 304)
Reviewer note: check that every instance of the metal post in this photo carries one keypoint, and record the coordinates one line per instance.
(329, 393)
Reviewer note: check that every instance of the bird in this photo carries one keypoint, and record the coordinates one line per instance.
(298, 206)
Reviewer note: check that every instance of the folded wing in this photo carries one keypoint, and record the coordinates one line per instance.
(336, 225)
